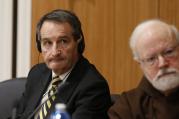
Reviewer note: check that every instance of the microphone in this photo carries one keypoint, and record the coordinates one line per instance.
(60, 86)
(14, 109)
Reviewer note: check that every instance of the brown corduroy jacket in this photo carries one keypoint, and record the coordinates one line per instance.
(145, 102)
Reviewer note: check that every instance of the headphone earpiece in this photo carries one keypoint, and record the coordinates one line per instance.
(38, 43)
(80, 39)
(39, 46)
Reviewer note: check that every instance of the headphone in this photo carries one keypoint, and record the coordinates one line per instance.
(38, 44)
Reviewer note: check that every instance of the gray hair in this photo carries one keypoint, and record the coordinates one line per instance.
(140, 29)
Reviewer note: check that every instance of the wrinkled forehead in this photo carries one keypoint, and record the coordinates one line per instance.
(160, 30)
(154, 36)
(155, 32)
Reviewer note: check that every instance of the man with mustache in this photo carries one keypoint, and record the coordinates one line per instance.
(155, 46)
(66, 76)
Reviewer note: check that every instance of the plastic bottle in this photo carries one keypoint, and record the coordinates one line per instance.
(60, 112)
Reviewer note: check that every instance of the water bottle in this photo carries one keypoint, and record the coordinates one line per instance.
(60, 112)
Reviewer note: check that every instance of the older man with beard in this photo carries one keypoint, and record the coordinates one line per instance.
(155, 46)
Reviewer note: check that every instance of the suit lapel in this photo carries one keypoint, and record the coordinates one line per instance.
(40, 87)
(44, 81)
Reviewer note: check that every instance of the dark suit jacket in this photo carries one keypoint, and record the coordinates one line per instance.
(85, 92)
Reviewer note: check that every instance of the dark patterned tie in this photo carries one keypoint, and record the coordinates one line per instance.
(51, 97)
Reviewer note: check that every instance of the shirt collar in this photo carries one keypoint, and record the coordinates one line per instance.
(63, 76)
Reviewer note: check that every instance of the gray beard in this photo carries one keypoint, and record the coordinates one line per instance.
(166, 82)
